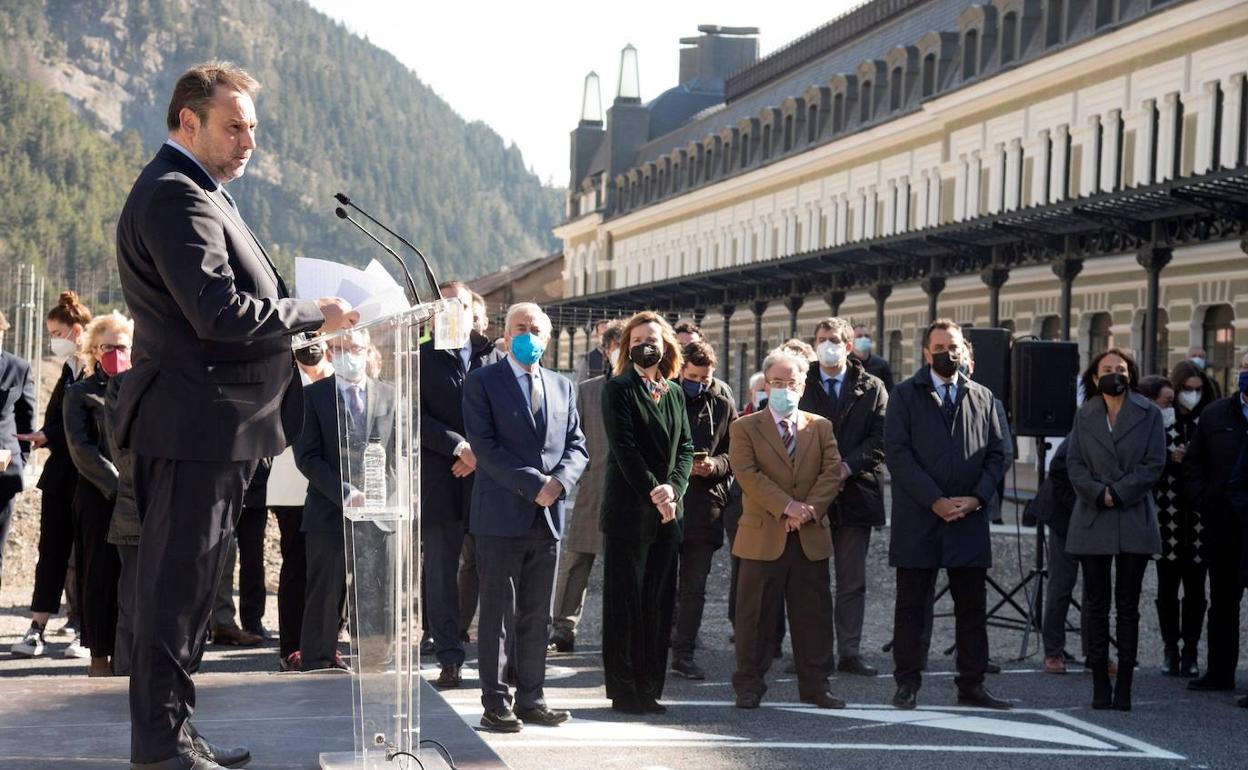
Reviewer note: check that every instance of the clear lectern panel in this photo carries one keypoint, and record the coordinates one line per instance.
(377, 389)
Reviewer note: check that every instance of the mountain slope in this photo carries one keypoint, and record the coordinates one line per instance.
(335, 112)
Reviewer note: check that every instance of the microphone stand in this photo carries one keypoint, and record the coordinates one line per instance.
(412, 295)
(433, 281)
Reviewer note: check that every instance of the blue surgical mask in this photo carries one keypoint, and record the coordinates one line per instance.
(349, 366)
(1243, 383)
(862, 345)
(1199, 361)
(693, 388)
(782, 401)
(527, 348)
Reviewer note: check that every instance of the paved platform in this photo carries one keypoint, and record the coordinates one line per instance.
(286, 720)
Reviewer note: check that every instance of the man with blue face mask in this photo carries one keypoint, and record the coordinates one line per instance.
(711, 413)
(864, 350)
(522, 423)
(787, 463)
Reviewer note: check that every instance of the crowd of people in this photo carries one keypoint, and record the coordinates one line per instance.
(171, 435)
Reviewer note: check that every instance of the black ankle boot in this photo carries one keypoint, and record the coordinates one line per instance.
(1170, 661)
(1122, 687)
(1188, 667)
(1102, 689)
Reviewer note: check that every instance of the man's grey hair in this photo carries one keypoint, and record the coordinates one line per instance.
(782, 355)
(532, 310)
(755, 379)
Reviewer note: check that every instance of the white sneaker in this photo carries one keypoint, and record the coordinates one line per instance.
(76, 650)
(31, 645)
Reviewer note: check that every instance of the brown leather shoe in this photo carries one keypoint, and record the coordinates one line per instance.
(99, 667)
(1054, 665)
(451, 676)
(235, 636)
(824, 700)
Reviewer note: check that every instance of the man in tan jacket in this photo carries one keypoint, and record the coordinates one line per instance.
(789, 469)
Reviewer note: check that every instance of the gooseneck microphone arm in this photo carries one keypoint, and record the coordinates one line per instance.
(433, 281)
(412, 295)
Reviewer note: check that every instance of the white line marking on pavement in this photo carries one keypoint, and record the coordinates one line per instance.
(1113, 735)
(1028, 731)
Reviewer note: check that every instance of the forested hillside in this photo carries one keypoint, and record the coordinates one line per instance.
(84, 90)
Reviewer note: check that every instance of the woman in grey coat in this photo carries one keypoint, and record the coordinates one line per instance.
(1117, 453)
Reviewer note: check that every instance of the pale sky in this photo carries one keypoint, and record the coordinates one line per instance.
(520, 66)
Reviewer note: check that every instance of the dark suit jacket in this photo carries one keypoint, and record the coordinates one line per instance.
(514, 457)
(123, 528)
(318, 455)
(859, 425)
(17, 415)
(213, 377)
(1221, 434)
(877, 366)
(650, 444)
(442, 374)
(58, 471)
(929, 459)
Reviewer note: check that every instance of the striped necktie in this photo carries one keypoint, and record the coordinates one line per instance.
(789, 439)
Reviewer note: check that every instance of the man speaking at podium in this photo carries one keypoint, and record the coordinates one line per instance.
(213, 389)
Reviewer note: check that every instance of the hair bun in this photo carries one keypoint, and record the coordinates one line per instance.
(68, 299)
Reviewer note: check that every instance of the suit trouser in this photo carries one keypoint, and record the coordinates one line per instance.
(695, 565)
(188, 510)
(1063, 573)
(325, 594)
(6, 523)
(570, 591)
(913, 610)
(638, 598)
(469, 583)
(850, 544)
(292, 582)
(1124, 588)
(517, 577)
(56, 542)
(1225, 593)
(734, 573)
(765, 587)
(441, 544)
(128, 555)
(247, 549)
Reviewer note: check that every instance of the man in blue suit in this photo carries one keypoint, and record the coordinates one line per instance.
(522, 424)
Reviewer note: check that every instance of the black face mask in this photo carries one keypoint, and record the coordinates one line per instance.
(310, 356)
(645, 355)
(945, 363)
(1112, 384)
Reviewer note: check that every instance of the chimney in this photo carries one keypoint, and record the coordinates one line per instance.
(629, 89)
(591, 100)
(588, 135)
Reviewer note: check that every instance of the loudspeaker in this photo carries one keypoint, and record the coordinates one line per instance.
(1044, 375)
(992, 360)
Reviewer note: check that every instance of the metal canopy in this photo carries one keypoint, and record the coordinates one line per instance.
(1210, 207)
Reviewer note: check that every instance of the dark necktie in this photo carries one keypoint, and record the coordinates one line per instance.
(786, 435)
(950, 406)
(355, 403)
(833, 399)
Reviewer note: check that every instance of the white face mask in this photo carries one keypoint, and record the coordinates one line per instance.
(614, 357)
(62, 347)
(1167, 416)
(349, 367)
(831, 355)
(1189, 399)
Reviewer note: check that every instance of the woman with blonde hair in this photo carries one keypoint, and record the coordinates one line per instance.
(107, 350)
(650, 458)
(66, 323)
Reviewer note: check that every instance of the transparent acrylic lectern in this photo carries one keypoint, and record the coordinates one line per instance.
(378, 397)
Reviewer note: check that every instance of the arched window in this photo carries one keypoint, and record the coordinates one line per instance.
(1009, 38)
(1218, 339)
(1100, 338)
(745, 150)
(1053, 23)
(812, 123)
(864, 102)
(970, 54)
(766, 141)
(788, 132)
(894, 352)
(838, 113)
(710, 163)
(929, 75)
(1104, 13)
(895, 89)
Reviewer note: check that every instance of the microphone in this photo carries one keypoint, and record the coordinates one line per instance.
(412, 296)
(433, 281)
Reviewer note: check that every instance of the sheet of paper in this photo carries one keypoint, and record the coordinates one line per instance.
(372, 290)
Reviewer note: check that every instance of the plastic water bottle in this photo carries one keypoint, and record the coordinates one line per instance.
(374, 475)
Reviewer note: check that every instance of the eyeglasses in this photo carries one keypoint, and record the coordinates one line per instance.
(355, 350)
(108, 347)
(783, 384)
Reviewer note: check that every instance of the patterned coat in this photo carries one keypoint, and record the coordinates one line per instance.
(1181, 530)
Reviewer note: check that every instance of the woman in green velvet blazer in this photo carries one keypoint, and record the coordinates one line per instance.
(651, 455)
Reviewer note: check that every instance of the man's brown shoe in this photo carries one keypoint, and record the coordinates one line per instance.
(1054, 665)
(450, 677)
(235, 636)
